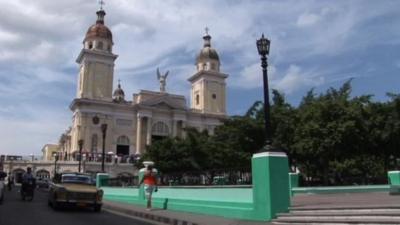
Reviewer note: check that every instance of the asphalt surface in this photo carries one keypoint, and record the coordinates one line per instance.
(14, 211)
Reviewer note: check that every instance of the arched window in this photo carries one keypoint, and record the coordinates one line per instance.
(197, 99)
(90, 45)
(160, 129)
(123, 140)
(214, 96)
(94, 143)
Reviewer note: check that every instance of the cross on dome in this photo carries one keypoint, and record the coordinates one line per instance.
(101, 3)
(207, 29)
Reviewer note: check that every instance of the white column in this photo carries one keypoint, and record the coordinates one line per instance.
(138, 135)
(148, 134)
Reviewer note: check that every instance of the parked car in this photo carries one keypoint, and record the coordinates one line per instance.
(75, 189)
(42, 183)
(2, 186)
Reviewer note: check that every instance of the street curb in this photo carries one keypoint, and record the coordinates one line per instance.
(149, 216)
(132, 217)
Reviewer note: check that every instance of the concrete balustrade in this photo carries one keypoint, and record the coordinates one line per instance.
(394, 181)
(268, 196)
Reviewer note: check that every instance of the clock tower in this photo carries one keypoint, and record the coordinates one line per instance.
(96, 61)
(208, 94)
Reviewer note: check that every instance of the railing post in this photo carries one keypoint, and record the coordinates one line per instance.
(293, 182)
(141, 187)
(394, 182)
(270, 184)
(101, 179)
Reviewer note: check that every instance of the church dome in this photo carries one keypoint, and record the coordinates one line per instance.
(207, 53)
(119, 94)
(99, 30)
(208, 58)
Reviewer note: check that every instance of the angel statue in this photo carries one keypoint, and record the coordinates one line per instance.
(162, 79)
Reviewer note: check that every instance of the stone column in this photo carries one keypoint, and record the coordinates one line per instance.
(77, 137)
(138, 135)
(148, 133)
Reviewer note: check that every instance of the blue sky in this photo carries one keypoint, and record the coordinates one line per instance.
(314, 44)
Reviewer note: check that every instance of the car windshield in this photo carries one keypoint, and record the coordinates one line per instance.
(76, 179)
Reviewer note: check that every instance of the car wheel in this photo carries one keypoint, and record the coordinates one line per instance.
(97, 208)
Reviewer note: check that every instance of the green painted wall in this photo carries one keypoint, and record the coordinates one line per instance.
(394, 181)
(141, 194)
(394, 177)
(270, 185)
(174, 199)
(269, 195)
(101, 179)
(226, 202)
(293, 182)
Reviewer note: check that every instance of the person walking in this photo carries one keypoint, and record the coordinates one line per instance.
(150, 184)
(10, 180)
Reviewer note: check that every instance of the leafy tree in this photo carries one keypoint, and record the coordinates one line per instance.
(332, 137)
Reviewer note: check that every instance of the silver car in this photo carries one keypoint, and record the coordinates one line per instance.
(2, 186)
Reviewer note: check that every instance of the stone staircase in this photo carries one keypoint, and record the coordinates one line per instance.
(339, 215)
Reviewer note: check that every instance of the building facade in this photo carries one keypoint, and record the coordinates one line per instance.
(48, 151)
(127, 126)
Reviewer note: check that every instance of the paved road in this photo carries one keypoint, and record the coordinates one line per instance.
(14, 211)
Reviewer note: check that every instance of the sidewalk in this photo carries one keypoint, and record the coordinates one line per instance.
(160, 216)
(343, 200)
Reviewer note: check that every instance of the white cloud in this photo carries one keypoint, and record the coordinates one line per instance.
(296, 79)
(307, 19)
(28, 135)
(251, 77)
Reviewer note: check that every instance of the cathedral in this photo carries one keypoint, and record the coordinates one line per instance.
(125, 125)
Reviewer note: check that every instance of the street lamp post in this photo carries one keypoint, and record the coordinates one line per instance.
(80, 144)
(55, 163)
(103, 154)
(263, 45)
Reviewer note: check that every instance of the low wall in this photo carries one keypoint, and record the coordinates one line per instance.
(226, 202)
(269, 195)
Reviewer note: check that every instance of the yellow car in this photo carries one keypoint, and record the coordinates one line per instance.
(75, 189)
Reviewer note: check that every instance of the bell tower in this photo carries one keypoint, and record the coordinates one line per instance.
(96, 62)
(208, 94)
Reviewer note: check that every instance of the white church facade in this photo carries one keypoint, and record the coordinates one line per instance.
(130, 123)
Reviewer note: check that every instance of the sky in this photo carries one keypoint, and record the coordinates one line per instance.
(314, 44)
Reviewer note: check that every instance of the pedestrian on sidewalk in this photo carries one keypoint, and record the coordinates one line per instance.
(150, 184)
(10, 180)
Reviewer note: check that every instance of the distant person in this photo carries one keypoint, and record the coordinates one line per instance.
(150, 184)
(28, 179)
(10, 180)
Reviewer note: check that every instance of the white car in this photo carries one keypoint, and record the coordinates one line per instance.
(2, 186)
